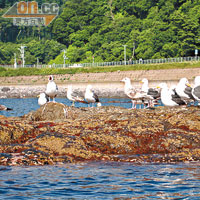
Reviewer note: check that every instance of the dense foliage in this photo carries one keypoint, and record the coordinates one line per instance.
(97, 30)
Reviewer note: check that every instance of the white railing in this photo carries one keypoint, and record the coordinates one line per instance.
(114, 63)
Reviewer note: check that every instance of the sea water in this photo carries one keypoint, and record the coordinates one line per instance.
(23, 106)
(96, 180)
(101, 180)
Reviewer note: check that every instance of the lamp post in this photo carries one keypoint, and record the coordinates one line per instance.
(21, 49)
(37, 62)
(15, 61)
(64, 56)
(124, 54)
(196, 51)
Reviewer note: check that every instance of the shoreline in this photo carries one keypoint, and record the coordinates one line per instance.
(104, 84)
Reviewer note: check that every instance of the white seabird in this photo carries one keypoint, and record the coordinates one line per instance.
(153, 94)
(136, 96)
(2, 107)
(196, 89)
(91, 97)
(42, 99)
(169, 97)
(51, 89)
(184, 90)
(73, 96)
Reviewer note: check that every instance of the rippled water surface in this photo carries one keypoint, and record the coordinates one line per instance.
(24, 106)
(99, 180)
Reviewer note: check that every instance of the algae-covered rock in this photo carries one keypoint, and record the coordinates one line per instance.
(51, 111)
(104, 133)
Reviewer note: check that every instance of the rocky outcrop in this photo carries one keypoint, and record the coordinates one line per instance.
(104, 133)
(49, 112)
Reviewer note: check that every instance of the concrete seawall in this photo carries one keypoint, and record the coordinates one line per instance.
(104, 84)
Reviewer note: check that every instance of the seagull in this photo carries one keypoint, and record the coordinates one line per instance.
(73, 96)
(169, 97)
(42, 99)
(2, 107)
(184, 90)
(153, 94)
(51, 89)
(136, 96)
(91, 97)
(196, 89)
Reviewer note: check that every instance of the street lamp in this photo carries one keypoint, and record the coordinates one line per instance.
(15, 61)
(21, 49)
(37, 62)
(196, 51)
(124, 53)
(64, 56)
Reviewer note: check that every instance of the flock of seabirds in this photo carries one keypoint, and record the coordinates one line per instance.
(145, 97)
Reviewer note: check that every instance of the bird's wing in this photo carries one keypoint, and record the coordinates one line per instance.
(188, 91)
(47, 97)
(176, 98)
(96, 97)
(154, 92)
(196, 91)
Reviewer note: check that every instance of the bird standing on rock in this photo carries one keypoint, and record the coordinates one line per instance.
(51, 89)
(91, 97)
(152, 94)
(184, 90)
(42, 99)
(196, 89)
(73, 96)
(136, 96)
(169, 97)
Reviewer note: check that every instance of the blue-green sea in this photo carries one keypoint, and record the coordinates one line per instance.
(96, 180)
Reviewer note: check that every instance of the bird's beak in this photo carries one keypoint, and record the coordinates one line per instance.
(187, 84)
(158, 87)
(38, 96)
(141, 81)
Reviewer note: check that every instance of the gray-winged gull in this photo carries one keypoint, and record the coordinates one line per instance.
(136, 96)
(184, 90)
(3, 107)
(91, 97)
(153, 94)
(196, 89)
(73, 96)
(169, 97)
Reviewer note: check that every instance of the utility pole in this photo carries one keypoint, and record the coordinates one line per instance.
(22, 54)
(124, 54)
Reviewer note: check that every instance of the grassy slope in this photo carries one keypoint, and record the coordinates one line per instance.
(4, 72)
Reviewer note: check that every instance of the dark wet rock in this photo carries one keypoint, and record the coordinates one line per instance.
(5, 89)
(104, 133)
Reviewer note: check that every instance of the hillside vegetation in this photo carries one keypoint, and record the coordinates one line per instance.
(97, 30)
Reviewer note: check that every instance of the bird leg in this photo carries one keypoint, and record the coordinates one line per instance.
(133, 104)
